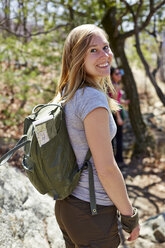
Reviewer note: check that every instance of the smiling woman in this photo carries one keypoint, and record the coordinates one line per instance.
(98, 58)
(80, 43)
(84, 77)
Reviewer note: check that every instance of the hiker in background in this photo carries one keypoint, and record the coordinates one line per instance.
(119, 116)
(85, 67)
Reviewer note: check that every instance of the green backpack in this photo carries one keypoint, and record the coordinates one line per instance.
(49, 160)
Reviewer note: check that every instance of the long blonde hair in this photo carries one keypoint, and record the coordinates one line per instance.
(73, 75)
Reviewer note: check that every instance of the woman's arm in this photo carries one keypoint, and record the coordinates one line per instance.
(119, 120)
(98, 136)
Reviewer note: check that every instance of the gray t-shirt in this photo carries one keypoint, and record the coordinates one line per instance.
(82, 103)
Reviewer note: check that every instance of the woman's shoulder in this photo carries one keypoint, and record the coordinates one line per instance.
(90, 92)
(89, 96)
(87, 99)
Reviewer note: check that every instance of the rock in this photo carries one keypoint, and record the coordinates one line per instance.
(144, 206)
(140, 243)
(159, 234)
(154, 228)
(52, 229)
(27, 217)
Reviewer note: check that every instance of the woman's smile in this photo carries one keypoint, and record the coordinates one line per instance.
(103, 65)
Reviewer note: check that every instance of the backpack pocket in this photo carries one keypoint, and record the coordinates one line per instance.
(45, 130)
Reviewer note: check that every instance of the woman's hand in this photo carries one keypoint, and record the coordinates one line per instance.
(119, 120)
(127, 102)
(134, 234)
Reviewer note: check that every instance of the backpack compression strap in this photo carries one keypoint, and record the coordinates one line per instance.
(87, 164)
(22, 142)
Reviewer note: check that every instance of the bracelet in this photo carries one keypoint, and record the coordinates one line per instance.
(130, 222)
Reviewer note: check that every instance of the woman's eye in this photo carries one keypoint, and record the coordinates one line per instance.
(106, 47)
(93, 50)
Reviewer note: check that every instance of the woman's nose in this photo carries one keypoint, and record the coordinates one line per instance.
(104, 53)
(110, 56)
(107, 53)
(110, 53)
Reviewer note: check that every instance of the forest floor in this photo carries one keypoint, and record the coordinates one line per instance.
(145, 180)
(145, 177)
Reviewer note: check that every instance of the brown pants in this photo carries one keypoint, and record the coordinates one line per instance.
(82, 230)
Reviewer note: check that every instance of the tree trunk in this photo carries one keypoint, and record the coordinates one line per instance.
(147, 69)
(7, 13)
(162, 67)
(138, 125)
(117, 46)
(24, 14)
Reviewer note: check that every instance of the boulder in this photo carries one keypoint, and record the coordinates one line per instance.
(27, 217)
(154, 228)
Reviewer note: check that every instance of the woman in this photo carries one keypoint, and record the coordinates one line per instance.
(118, 116)
(85, 68)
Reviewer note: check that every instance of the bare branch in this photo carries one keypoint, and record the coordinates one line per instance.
(147, 20)
(150, 32)
(153, 33)
(139, 8)
(128, 6)
(34, 34)
(151, 4)
(155, 70)
(3, 21)
(147, 68)
(151, 13)
(119, 22)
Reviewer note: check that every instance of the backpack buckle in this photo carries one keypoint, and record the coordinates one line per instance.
(85, 165)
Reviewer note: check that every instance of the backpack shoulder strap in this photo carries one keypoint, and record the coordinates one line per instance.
(22, 142)
(88, 155)
(87, 164)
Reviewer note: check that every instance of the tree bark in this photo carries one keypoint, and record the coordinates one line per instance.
(117, 43)
(162, 66)
(147, 69)
(7, 13)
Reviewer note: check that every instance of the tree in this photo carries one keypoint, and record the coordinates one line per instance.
(162, 63)
(58, 17)
(113, 22)
(151, 75)
(7, 12)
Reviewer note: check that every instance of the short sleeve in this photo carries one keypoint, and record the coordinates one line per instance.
(89, 99)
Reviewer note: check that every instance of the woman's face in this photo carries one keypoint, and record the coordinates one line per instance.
(98, 58)
(116, 76)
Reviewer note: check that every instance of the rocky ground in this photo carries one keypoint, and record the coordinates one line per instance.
(27, 217)
(145, 178)
(145, 181)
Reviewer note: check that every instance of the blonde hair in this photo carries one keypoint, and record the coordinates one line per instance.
(73, 75)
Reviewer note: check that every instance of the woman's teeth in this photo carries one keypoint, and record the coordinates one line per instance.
(103, 65)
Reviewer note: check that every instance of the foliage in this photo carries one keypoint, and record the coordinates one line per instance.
(24, 66)
(31, 42)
